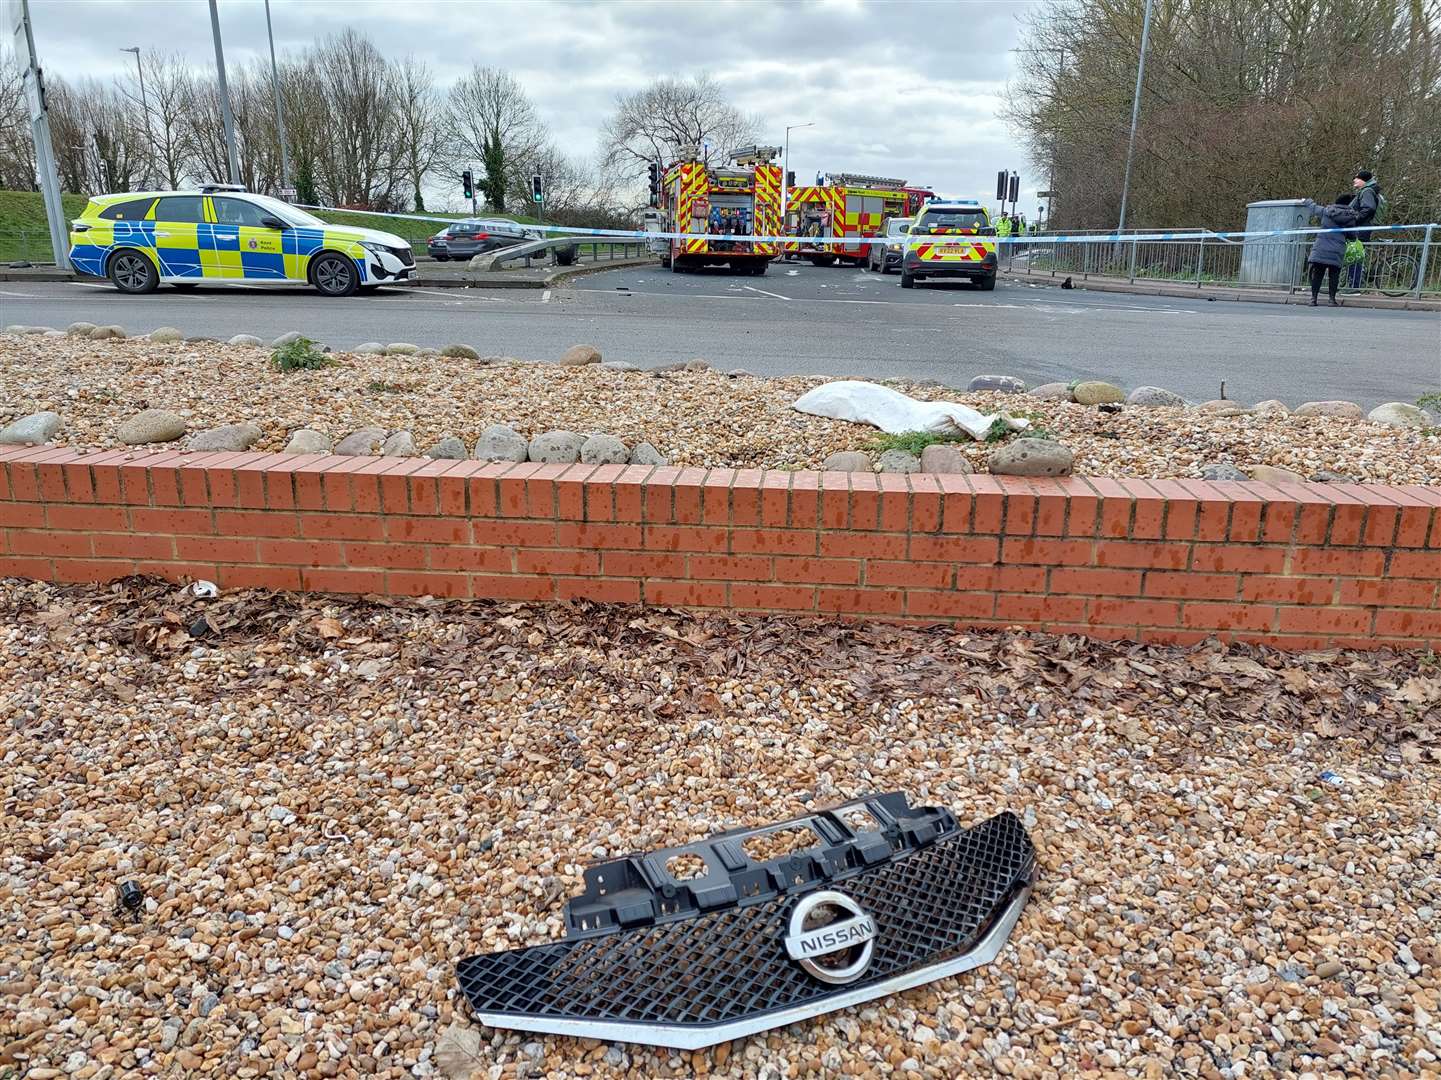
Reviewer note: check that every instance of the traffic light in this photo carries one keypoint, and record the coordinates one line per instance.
(654, 184)
(467, 184)
(1015, 186)
(791, 179)
(537, 194)
(1001, 185)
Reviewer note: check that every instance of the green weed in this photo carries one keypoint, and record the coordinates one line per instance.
(300, 355)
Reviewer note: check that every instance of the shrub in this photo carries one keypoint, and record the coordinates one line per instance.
(300, 355)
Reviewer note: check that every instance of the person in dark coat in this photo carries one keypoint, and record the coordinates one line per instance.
(1365, 200)
(1329, 250)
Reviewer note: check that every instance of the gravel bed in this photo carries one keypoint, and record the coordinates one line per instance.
(329, 802)
(694, 418)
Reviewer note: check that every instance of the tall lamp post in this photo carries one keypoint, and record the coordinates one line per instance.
(279, 114)
(786, 169)
(144, 103)
(232, 159)
(1135, 113)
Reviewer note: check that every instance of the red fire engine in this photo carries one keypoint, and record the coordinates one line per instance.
(847, 205)
(706, 202)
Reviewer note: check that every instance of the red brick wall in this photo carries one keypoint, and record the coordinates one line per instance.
(1160, 560)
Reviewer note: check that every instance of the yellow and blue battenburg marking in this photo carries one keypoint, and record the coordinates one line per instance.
(207, 250)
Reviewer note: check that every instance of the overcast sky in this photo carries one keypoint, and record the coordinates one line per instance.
(905, 88)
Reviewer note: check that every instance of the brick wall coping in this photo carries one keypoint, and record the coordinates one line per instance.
(1297, 565)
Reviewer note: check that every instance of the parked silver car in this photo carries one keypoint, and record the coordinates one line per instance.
(883, 258)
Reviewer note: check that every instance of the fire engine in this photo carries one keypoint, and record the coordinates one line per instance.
(848, 205)
(704, 201)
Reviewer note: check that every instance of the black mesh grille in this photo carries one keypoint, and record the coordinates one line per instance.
(930, 905)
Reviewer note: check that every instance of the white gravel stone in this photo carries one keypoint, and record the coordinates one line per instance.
(1347, 410)
(580, 355)
(366, 441)
(249, 341)
(1031, 457)
(500, 443)
(401, 348)
(1001, 384)
(307, 441)
(556, 447)
(31, 430)
(847, 461)
(1399, 414)
(944, 458)
(1153, 396)
(287, 338)
(898, 461)
(165, 335)
(603, 450)
(448, 447)
(646, 454)
(152, 426)
(399, 444)
(232, 437)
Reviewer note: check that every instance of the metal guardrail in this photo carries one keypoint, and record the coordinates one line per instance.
(583, 245)
(26, 245)
(1403, 264)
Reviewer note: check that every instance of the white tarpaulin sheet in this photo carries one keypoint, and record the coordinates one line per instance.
(893, 412)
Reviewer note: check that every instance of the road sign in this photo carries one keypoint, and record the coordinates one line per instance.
(1043, 194)
(288, 193)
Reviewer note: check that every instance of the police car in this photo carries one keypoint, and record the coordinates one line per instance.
(947, 239)
(225, 235)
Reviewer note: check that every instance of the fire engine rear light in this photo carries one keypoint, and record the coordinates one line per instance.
(888, 897)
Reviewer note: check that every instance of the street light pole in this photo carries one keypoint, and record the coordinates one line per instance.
(1135, 113)
(231, 157)
(786, 169)
(279, 113)
(144, 103)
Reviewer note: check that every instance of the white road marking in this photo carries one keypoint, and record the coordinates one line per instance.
(92, 285)
(763, 292)
(545, 297)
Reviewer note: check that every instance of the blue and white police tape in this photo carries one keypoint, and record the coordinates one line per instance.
(943, 238)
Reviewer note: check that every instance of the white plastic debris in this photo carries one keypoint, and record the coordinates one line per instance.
(894, 412)
(205, 590)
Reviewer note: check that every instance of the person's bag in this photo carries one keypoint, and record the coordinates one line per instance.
(1355, 252)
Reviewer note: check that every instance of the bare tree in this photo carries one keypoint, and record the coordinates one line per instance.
(1243, 100)
(17, 148)
(493, 123)
(358, 166)
(418, 124)
(652, 123)
(169, 93)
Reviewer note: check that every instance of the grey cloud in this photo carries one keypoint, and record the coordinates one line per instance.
(901, 87)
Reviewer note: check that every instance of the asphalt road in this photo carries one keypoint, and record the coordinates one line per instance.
(801, 319)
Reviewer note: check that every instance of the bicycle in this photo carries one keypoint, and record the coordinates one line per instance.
(1391, 270)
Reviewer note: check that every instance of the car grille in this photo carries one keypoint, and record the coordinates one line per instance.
(942, 898)
(404, 254)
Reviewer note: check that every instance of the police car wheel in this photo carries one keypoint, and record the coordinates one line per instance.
(132, 272)
(988, 284)
(908, 281)
(334, 275)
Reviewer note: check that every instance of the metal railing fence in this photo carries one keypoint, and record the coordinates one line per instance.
(1403, 263)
